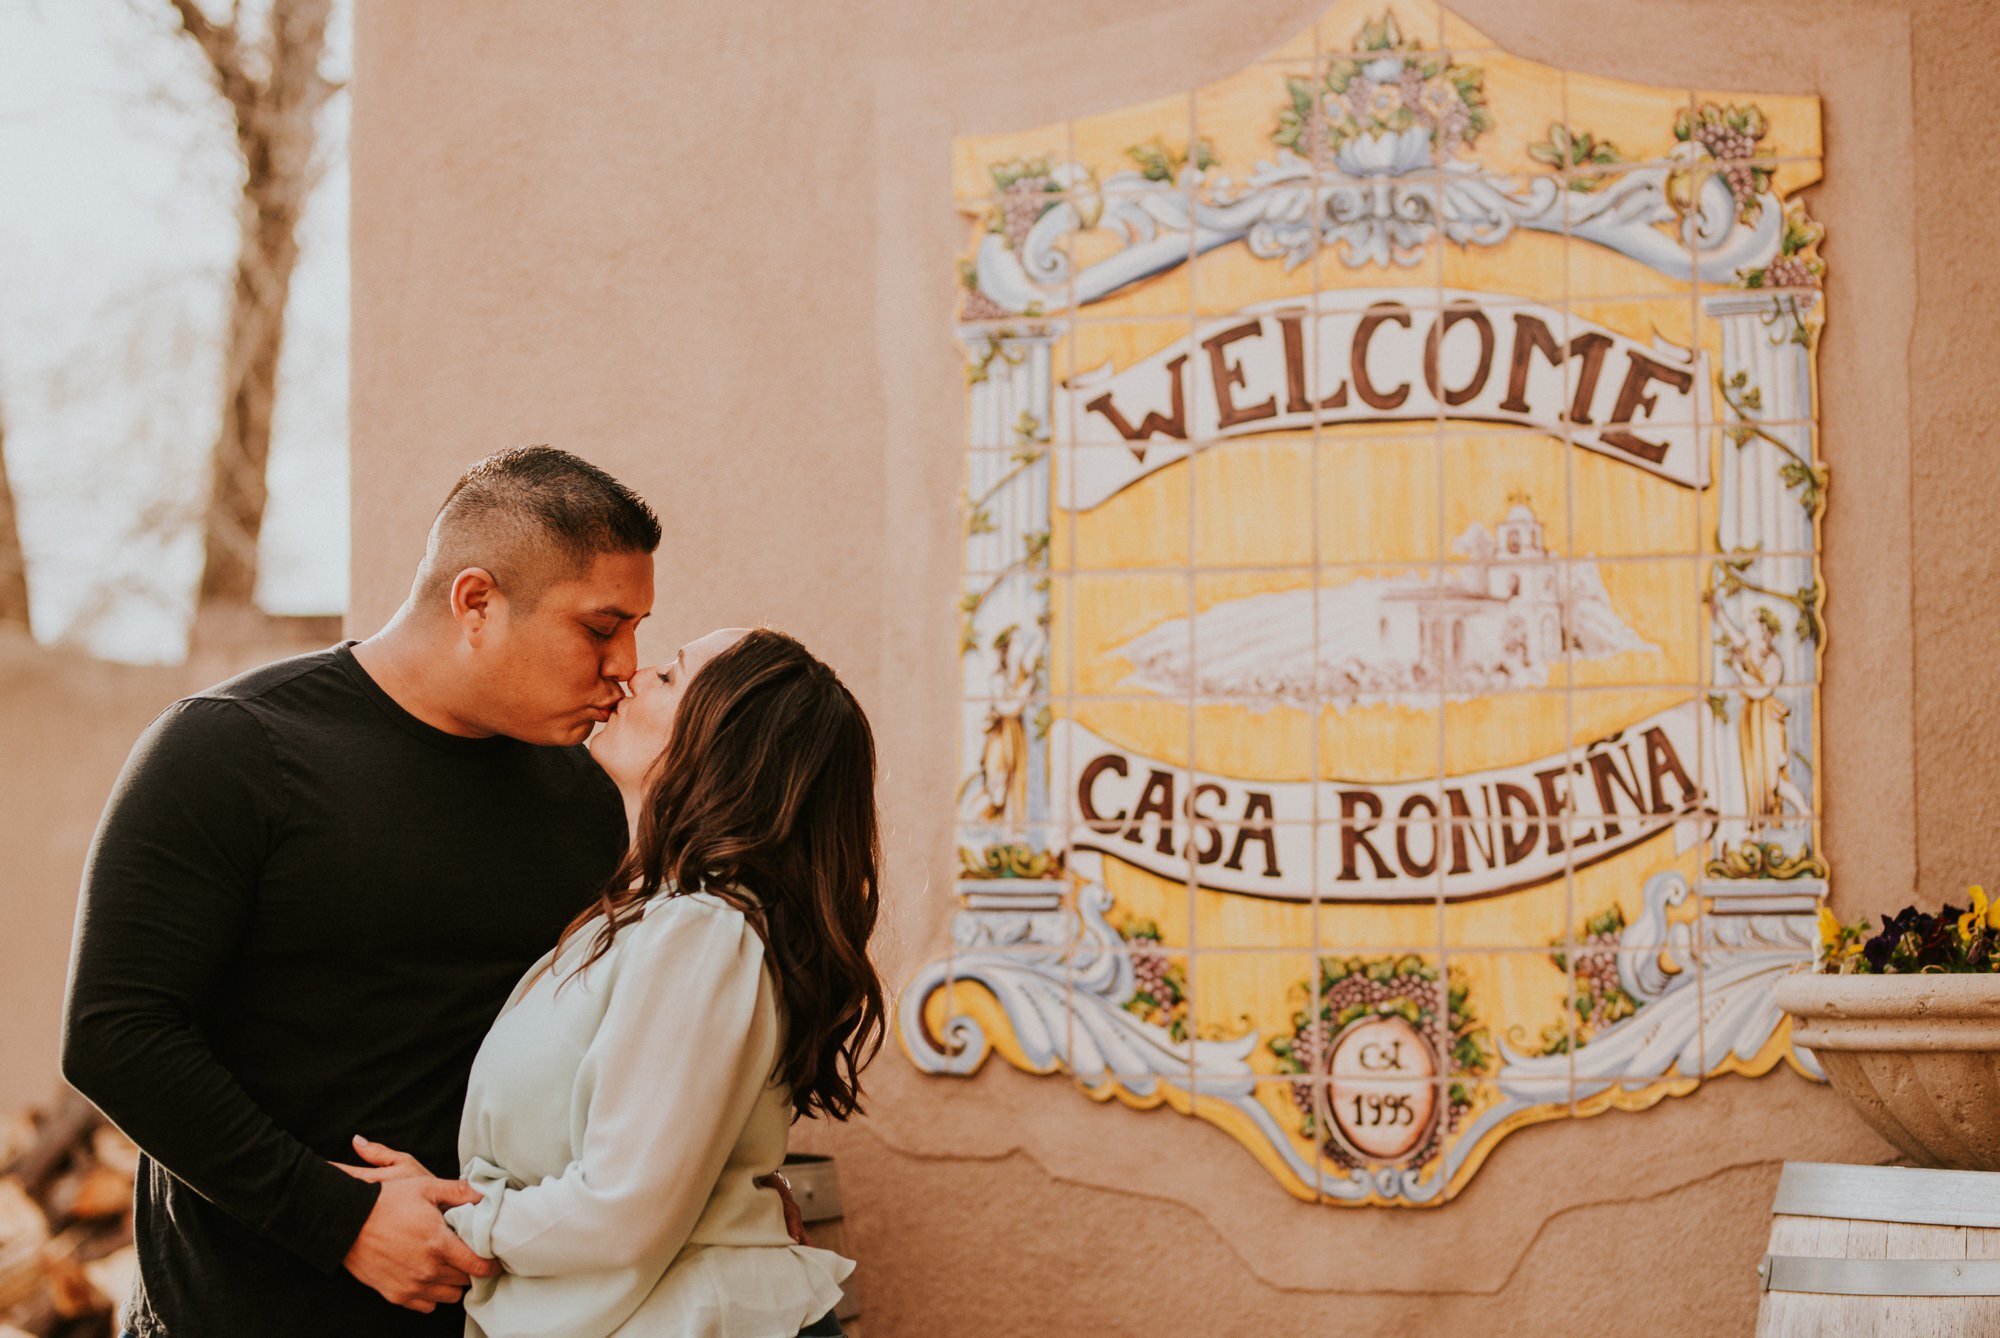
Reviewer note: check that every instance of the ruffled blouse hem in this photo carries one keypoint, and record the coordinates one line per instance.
(741, 1291)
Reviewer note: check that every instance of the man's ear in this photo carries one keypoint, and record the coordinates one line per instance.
(475, 598)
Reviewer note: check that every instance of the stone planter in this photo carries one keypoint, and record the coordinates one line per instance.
(1918, 1057)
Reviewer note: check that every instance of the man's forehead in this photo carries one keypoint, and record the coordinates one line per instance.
(615, 584)
(580, 602)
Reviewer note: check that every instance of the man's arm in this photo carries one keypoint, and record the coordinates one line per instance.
(167, 897)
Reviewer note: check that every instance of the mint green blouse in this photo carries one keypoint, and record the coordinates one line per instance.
(617, 1126)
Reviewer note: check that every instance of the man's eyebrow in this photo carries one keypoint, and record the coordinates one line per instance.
(609, 612)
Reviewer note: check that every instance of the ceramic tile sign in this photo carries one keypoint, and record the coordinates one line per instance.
(1391, 624)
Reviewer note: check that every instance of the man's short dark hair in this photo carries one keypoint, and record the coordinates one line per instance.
(533, 516)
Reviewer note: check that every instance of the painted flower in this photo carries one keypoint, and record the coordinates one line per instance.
(1383, 101)
(1380, 98)
(1440, 99)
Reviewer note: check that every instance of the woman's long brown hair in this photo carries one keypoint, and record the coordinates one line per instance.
(768, 785)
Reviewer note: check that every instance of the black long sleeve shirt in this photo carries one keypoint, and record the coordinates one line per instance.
(301, 912)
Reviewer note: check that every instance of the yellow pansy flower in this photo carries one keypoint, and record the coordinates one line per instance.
(1829, 929)
(1983, 915)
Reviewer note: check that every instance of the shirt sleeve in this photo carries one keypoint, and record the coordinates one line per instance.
(687, 1043)
(168, 892)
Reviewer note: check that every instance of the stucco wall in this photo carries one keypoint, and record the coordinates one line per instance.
(1953, 485)
(66, 724)
(711, 247)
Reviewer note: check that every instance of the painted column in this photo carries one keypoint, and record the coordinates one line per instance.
(1009, 846)
(1765, 864)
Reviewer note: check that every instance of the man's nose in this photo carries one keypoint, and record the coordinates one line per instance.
(621, 658)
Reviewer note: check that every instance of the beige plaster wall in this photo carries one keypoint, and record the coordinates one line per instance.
(1954, 485)
(710, 246)
(66, 724)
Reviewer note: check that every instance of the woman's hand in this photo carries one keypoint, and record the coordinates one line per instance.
(795, 1221)
(384, 1163)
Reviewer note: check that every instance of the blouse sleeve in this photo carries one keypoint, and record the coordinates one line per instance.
(687, 1044)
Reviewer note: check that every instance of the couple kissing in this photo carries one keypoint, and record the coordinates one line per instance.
(427, 1018)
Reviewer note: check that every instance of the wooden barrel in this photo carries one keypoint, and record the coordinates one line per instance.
(1882, 1250)
(816, 1185)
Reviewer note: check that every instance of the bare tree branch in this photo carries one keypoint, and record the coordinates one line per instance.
(275, 89)
(207, 32)
(218, 42)
(13, 563)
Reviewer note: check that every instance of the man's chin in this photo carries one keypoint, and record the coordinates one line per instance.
(556, 735)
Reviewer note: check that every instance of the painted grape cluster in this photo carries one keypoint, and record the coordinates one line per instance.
(1599, 998)
(1159, 980)
(1027, 188)
(1730, 135)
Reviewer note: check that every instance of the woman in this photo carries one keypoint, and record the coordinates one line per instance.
(642, 1077)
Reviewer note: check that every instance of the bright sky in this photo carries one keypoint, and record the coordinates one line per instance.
(117, 233)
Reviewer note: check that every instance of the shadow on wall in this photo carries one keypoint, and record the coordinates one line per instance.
(66, 724)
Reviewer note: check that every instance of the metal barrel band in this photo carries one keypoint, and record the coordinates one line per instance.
(1880, 1277)
(815, 1186)
(1889, 1194)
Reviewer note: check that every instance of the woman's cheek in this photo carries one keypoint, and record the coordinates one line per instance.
(659, 725)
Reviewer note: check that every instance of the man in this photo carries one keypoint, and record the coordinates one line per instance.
(312, 890)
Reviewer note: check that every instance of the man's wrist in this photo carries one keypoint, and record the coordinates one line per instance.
(321, 1222)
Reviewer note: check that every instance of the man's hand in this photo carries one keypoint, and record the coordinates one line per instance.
(407, 1253)
(795, 1221)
